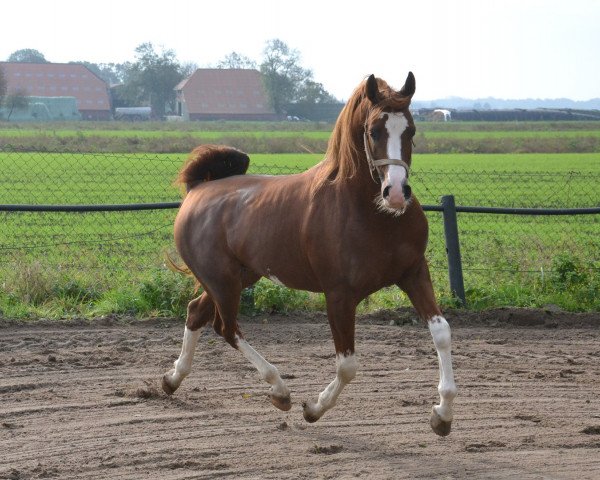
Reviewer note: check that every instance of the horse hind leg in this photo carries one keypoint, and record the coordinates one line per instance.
(199, 312)
(227, 301)
(418, 287)
(279, 392)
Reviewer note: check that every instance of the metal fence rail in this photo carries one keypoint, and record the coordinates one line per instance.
(449, 210)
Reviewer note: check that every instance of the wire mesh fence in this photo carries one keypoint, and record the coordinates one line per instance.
(501, 243)
(129, 243)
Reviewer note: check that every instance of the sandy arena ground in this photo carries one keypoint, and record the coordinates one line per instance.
(84, 401)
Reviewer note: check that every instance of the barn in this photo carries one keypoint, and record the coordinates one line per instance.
(223, 94)
(61, 80)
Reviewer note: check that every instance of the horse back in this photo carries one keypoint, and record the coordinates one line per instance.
(257, 220)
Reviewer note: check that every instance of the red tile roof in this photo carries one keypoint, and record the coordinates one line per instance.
(215, 91)
(58, 80)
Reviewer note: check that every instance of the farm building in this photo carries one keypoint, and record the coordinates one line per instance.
(61, 80)
(223, 94)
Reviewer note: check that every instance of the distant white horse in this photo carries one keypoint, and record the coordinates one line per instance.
(439, 113)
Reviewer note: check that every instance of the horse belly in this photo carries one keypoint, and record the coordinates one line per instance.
(281, 262)
(273, 248)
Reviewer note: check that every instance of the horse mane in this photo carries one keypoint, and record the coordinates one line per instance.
(212, 162)
(345, 150)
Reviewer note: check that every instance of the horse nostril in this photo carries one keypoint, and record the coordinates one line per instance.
(407, 191)
(386, 191)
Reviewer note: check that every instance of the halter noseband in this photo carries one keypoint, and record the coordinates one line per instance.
(375, 164)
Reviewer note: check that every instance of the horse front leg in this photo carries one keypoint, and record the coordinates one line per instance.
(441, 417)
(341, 313)
(418, 287)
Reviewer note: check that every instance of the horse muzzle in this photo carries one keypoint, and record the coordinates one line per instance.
(395, 190)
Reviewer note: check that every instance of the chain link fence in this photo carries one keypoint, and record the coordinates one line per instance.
(516, 243)
(128, 244)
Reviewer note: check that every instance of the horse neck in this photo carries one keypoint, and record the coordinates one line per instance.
(363, 185)
(363, 181)
(345, 167)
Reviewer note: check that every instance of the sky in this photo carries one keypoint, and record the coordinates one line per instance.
(511, 49)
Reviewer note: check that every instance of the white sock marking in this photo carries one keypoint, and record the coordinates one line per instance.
(440, 331)
(267, 371)
(346, 371)
(183, 365)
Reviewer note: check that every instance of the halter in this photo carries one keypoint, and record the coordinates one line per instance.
(375, 164)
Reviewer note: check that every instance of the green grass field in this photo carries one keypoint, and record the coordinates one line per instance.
(69, 264)
(506, 180)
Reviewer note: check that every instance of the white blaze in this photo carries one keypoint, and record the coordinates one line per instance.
(395, 175)
(395, 125)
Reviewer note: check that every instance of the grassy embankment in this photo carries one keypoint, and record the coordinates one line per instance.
(289, 137)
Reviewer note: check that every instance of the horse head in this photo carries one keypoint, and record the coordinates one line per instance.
(388, 132)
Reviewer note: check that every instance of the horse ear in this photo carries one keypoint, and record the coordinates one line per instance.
(408, 90)
(372, 89)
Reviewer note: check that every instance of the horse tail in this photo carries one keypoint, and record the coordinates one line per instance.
(212, 162)
(206, 163)
(182, 269)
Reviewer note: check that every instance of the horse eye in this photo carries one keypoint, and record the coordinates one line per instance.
(374, 134)
(411, 131)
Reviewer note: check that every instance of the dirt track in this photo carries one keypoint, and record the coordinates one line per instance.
(84, 402)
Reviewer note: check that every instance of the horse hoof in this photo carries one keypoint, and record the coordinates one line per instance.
(308, 411)
(440, 427)
(282, 403)
(167, 387)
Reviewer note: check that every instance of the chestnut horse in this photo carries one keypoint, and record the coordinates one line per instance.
(347, 227)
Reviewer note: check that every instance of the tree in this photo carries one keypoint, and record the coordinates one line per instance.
(282, 73)
(286, 81)
(312, 92)
(16, 100)
(111, 73)
(27, 55)
(3, 85)
(236, 60)
(188, 68)
(152, 78)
